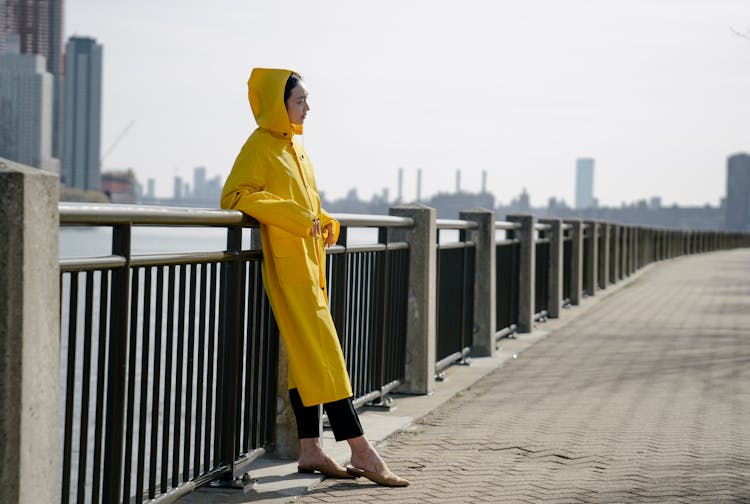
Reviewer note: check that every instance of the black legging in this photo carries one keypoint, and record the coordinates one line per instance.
(341, 414)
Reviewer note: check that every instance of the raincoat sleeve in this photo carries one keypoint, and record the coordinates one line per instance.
(245, 191)
(326, 218)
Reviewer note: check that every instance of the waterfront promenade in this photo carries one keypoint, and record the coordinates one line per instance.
(642, 394)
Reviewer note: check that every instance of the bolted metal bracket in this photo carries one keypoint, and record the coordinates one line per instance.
(244, 483)
(385, 403)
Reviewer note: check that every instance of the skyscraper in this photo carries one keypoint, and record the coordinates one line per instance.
(26, 90)
(38, 24)
(584, 183)
(738, 192)
(83, 89)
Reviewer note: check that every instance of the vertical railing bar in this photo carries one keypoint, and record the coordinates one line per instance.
(70, 385)
(145, 377)
(85, 385)
(260, 329)
(213, 273)
(199, 424)
(130, 406)
(348, 331)
(99, 428)
(219, 365)
(178, 375)
(188, 439)
(156, 403)
(252, 417)
(244, 365)
(372, 310)
(168, 349)
(250, 368)
(361, 318)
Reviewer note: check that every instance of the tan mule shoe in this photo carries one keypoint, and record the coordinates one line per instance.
(383, 476)
(329, 469)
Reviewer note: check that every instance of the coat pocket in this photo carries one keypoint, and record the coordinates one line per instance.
(290, 261)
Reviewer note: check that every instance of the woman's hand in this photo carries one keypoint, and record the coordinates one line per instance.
(315, 229)
(328, 234)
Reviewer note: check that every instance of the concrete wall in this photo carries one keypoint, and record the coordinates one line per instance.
(29, 335)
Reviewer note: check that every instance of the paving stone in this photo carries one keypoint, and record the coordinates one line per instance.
(643, 399)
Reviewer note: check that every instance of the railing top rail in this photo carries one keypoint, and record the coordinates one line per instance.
(455, 224)
(357, 220)
(507, 225)
(542, 227)
(108, 214)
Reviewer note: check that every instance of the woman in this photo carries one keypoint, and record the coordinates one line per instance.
(272, 180)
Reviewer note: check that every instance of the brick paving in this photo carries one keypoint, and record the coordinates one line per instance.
(645, 398)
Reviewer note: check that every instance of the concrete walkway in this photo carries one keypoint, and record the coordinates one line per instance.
(640, 395)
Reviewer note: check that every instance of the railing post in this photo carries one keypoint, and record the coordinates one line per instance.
(592, 251)
(485, 292)
(604, 265)
(526, 270)
(30, 464)
(555, 294)
(615, 266)
(422, 311)
(119, 327)
(229, 345)
(576, 261)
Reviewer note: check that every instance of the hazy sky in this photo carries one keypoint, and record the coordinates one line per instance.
(657, 91)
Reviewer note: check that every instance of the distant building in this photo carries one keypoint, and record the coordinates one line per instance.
(737, 205)
(178, 187)
(26, 111)
(199, 182)
(584, 183)
(120, 187)
(36, 27)
(83, 91)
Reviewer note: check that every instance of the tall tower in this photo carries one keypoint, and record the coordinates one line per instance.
(38, 24)
(584, 183)
(738, 192)
(83, 89)
(26, 90)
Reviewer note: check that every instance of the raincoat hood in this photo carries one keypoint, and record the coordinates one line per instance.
(265, 89)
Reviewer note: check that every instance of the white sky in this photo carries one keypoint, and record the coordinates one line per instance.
(657, 91)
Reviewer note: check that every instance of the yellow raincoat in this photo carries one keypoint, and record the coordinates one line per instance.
(272, 180)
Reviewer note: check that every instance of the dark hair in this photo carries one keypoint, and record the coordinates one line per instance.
(291, 83)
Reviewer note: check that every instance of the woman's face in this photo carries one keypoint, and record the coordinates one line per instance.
(296, 105)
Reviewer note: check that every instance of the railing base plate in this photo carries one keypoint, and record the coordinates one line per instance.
(244, 484)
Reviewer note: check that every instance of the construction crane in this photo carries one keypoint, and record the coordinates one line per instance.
(114, 144)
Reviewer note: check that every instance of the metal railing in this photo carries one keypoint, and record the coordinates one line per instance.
(171, 359)
(168, 359)
(455, 294)
(507, 260)
(368, 286)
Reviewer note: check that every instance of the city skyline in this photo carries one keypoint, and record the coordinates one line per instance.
(396, 86)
